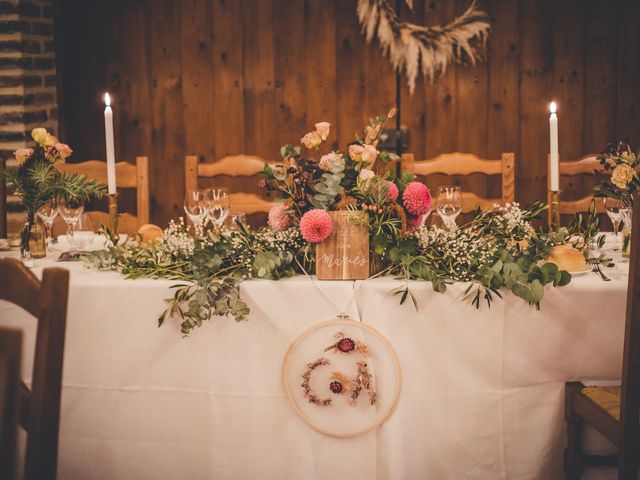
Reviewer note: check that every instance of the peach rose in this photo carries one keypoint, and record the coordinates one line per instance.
(323, 129)
(22, 154)
(332, 162)
(311, 140)
(622, 175)
(369, 154)
(355, 152)
(366, 174)
(63, 150)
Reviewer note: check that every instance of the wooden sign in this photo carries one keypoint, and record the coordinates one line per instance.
(345, 254)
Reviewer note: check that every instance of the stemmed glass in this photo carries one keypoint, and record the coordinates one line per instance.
(449, 205)
(47, 214)
(82, 233)
(615, 214)
(232, 220)
(70, 210)
(195, 207)
(217, 204)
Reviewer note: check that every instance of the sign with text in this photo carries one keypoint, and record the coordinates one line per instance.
(345, 254)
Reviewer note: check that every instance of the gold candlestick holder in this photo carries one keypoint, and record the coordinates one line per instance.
(554, 210)
(112, 230)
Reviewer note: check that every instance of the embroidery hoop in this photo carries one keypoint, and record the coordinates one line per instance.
(346, 323)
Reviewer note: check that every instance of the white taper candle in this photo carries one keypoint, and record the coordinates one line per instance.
(108, 134)
(554, 167)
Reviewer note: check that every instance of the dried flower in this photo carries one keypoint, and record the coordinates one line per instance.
(316, 225)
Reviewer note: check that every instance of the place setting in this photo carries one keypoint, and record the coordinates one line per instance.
(362, 239)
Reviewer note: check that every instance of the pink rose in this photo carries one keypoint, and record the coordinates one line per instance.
(63, 150)
(323, 129)
(311, 140)
(366, 174)
(22, 154)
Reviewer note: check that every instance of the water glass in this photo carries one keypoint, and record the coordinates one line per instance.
(217, 204)
(614, 212)
(233, 219)
(195, 207)
(70, 210)
(449, 205)
(47, 214)
(81, 234)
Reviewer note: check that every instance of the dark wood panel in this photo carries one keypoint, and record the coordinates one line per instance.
(221, 77)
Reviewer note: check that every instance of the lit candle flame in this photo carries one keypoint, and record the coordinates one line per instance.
(552, 107)
(107, 100)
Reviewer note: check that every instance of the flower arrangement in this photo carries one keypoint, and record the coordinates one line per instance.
(312, 180)
(36, 180)
(623, 165)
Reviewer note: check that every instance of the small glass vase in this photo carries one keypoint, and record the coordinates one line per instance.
(376, 263)
(627, 216)
(32, 240)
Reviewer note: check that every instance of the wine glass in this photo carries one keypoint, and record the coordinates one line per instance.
(70, 209)
(614, 212)
(82, 234)
(449, 205)
(47, 214)
(217, 205)
(195, 206)
(233, 219)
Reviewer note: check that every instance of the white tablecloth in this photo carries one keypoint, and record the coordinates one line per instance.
(482, 393)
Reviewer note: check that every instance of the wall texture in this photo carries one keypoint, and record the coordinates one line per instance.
(217, 77)
(27, 80)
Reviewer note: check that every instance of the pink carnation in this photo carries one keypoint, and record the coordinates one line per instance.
(316, 225)
(417, 198)
(392, 191)
(279, 218)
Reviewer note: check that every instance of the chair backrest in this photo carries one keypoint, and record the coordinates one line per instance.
(40, 406)
(127, 176)
(10, 355)
(233, 166)
(630, 400)
(3, 201)
(585, 166)
(466, 164)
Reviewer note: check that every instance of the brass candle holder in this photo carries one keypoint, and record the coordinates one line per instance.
(112, 231)
(554, 210)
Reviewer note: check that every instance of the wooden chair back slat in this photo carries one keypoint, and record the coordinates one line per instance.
(49, 302)
(571, 207)
(466, 164)
(3, 201)
(127, 176)
(233, 166)
(630, 396)
(10, 358)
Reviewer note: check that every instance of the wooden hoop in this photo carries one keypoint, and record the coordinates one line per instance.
(298, 410)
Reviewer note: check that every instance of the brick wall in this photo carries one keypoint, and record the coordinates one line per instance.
(27, 78)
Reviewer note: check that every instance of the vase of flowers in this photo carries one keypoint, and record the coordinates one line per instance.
(360, 179)
(622, 163)
(36, 180)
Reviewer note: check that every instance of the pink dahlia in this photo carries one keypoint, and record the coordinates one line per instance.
(316, 225)
(279, 218)
(392, 191)
(417, 198)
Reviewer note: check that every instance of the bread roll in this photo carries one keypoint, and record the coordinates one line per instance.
(568, 258)
(149, 233)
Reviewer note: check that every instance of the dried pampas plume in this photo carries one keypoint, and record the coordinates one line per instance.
(414, 48)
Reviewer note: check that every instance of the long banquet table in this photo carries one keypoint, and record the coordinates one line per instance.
(482, 393)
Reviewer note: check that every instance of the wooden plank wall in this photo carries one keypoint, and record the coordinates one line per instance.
(218, 77)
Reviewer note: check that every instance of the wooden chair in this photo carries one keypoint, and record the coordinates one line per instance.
(466, 164)
(40, 407)
(613, 411)
(10, 353)
(233, 166)
(585, 166)
(127, 176)
(3, 201)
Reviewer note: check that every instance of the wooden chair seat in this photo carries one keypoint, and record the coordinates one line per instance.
(127, 176)
(607, 398)
(466, 164)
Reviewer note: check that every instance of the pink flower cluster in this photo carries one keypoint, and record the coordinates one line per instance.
(392, 191)
(417, 198)
(279, 218)
(316, 225)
